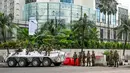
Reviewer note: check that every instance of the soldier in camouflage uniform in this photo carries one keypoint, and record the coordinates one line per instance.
(79, 58)
(49, 50)
(93, 58)
(84, 58)
(75, 57)
(116, 58)
(111, 58)
(107, 59)
(88, 59)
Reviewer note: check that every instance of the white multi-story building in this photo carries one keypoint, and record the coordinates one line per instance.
(14, 7)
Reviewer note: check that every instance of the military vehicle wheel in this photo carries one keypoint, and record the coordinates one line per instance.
(46, 62)
(35, 62)
(22, 62)
(11, 62)
(57, 64)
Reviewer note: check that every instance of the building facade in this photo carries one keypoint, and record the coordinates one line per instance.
(65, 11)
(14, 7)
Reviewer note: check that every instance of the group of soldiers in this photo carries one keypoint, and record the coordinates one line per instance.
(112, 59)
(82, 58)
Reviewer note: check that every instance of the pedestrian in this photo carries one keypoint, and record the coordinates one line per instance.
(93, 58)
(75, 57)
(116, 58)
(88, 59)
(111, 63)
(79, 58)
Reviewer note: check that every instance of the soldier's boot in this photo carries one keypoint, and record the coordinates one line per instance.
(93, 63)
(117, 64)
(87, 62)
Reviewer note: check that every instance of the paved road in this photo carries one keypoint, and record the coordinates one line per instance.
(65, 69)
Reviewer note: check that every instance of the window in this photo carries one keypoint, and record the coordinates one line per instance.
(108, 36)
(103, 18)
(98, 14)
(109, 19)
(30, 1)
(113, 19)
(101, 34)
(115, 35)
(67, 1)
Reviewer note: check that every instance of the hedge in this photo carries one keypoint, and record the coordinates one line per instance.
(89, 45)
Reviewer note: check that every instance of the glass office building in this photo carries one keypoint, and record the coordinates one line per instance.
(64, 12)
(67, 1)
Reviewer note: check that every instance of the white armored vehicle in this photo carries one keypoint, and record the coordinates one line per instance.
(34, 58)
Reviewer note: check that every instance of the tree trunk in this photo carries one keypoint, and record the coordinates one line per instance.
(82, 47)
(125, 43)
(4, 39)
(108, 30)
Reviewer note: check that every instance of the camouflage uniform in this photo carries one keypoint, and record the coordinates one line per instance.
(111, 58)
(49, 50)
(93, 58)
(116, 59)
(75, 57)
(83, 58)
(79, 58)
(45, 49)
(88, 59)
(107, 59)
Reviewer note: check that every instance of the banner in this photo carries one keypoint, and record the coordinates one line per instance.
(32, 25)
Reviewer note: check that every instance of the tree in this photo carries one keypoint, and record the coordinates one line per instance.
(6, 26)
(125, 29)
(23, 34)
(81, 29)
(93, 34)
(47, 30)
(109, 7)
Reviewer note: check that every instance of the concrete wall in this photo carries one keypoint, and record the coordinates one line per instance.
(97, 51)
(71, 51)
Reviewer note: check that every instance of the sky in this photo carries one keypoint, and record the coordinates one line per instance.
(125, 3)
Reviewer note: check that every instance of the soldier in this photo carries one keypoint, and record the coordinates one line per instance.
(83, 58)
(88, 58)
(49, 50)
(45, 49)
(111, 58)
(107, 59)
(93, 58)
(116, 58)
(80, 58)
(75, 57)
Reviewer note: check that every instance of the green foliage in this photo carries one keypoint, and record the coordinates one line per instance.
(125, 29)
(23, 34)
(6, 25)
(106, 52)
(63, 43)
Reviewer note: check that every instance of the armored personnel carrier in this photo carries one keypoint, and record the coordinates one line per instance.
(35, 58)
